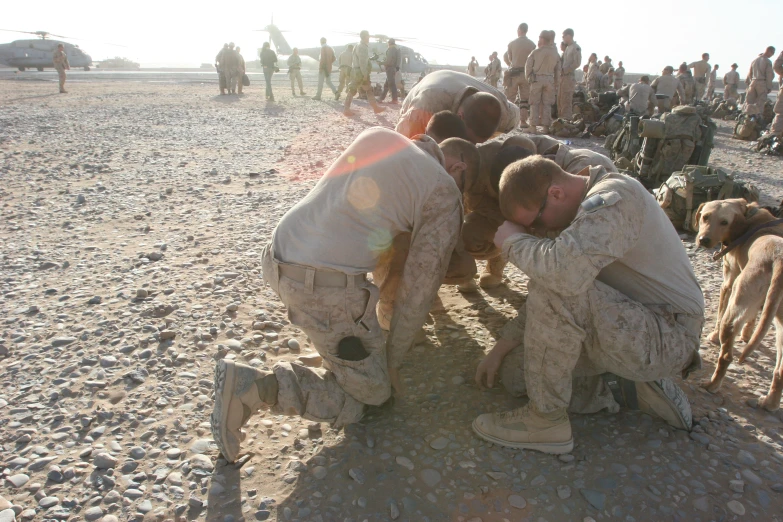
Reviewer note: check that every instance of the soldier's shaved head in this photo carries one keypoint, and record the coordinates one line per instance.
(444, 125)
(524, 183)
(569, 32)
(770, 51)
(462, 160)
(522, 28)
(481, 113)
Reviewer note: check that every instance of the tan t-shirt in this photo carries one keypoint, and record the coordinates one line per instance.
(444, 91)
(375, 190)
(627, 242)
(519, 50)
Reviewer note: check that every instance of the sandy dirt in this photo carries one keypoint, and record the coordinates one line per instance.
(132, 216)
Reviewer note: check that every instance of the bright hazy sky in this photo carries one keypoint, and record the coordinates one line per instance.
(645, 35)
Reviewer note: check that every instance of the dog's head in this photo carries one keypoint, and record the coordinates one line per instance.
(719, 221)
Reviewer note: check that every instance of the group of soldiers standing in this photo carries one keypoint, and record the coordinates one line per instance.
(538, 76)
(231, 68)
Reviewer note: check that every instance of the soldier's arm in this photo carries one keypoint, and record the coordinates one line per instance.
(413, 122)
(681, 92)
(430, 252)
(778, 66)
(529, 65)
(569, 264)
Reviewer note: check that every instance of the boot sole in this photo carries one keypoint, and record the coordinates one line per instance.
(661, 397)
(554, 448)
(225, 377)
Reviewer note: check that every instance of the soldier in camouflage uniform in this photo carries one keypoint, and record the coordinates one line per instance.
(615, 292)
(759, 81)
(730, 84)
(60, 61)
(543, 72)
(360, 76)
(701, 70)
(777, 123)
(572, 59)
(383, 186)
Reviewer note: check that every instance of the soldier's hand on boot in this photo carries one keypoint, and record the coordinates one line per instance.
(506, 230)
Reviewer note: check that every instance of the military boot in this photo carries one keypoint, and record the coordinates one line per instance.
(240, 391)
(662, 399)
(526, 428)
(493, 273)
(524, 114)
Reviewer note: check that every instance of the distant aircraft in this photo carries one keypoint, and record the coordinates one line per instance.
(37, 53)
(412, 62)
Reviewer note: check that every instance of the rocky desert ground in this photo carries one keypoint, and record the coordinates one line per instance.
(132, 215)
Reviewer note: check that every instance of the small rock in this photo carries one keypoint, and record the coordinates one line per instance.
(702, 504)
(735, 507)
(439, 443)
(104, 461)
(18, 480)
(737, 486)
(93, 513)
(394, 510)
(62, 341)
(293, 345)
(430, 477)
(405, 462)
(517, 501)
(594, 498)
(566, 458)
(746, 458)
(357, 475)
(563, 492)
(8, 515)
(319, 472)
(137, 453)
(311, 360)
(201, 462)
(142, 293)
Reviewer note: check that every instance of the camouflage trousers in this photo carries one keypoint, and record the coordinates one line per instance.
(756, 97)
(567, 342)
(664, 105)
(777, 123)
(519, 86)
(730, 93)
(345, 79)
(565, 97)
(542, 97)
(61, 77)
(700, 88)
(232, 78)
(337, 393)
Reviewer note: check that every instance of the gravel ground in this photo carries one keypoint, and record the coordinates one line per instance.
(133, 215)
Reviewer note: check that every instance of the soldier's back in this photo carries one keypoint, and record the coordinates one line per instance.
(520, 49)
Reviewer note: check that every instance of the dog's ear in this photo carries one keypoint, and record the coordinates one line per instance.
(696, 219)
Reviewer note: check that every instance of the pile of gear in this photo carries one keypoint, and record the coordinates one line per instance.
(681, 194)
(727, 110)
(597, 116)
(770, 144)
(750, 128)
(652, 149)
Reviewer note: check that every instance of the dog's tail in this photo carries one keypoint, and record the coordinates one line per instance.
(770, 311)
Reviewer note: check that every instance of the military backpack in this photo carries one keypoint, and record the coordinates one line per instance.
(748, 128)
(681, 194)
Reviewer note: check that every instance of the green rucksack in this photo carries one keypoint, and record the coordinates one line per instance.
(681, 194)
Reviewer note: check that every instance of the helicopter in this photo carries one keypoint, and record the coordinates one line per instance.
(37, 53)
(412, 61)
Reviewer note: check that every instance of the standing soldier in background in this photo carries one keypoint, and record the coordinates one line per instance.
(518, 51)
(360, 75)
(667, 85)
(392, 63)
(60, 61)
(593, 78)
(242, 71)
(604, 68)
(777, 123)
(221, 69)
(572, 59)
(230, 68)
(711, 82)
(688, 85)
(346, 60)
(325, 61)
(295, 71)
(619, 75)
(730, 84)
(269, 65)
(543, 72)
(494, 69)
(700, 71)
(759, 81)
(472, 66)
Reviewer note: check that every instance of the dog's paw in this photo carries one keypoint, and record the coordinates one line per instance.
(710, 386)
(714, 338)
(769, 404)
